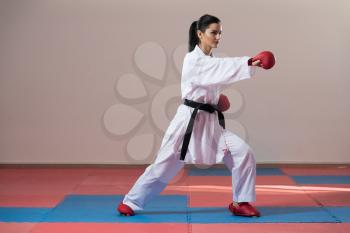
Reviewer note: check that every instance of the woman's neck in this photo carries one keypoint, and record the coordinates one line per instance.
(206, 49)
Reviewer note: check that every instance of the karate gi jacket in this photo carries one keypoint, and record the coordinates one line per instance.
(202, 80)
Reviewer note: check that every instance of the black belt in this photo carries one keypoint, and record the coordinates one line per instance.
(198, 106)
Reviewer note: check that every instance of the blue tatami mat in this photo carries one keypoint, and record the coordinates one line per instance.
(340, 212)
(321, 179)
(269, 172)
(102, 208)
(164, 209)
(269, 215)
(226, 172)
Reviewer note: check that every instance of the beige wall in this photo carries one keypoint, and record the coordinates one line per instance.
(84, 81)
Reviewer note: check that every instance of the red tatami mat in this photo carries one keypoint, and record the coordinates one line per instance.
(329, 194)
(274, 180)
(6, 227)
(22, 200)
(272, 228)
(47, 188)
(317, 171)
(110, 228)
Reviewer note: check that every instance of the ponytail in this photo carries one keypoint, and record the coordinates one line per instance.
(193, 37)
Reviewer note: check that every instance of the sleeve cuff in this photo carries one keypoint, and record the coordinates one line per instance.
(250, 70)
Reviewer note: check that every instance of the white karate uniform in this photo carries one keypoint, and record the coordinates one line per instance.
(203, 78)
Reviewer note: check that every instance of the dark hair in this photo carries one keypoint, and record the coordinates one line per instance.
(202, 24)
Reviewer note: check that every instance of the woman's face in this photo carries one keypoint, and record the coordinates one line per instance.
(211, 36)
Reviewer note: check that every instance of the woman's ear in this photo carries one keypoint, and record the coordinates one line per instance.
(199, 34)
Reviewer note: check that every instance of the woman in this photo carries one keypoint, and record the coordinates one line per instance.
(196, 130)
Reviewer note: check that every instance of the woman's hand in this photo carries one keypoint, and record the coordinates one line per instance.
(256, 63)
(251, 62)
(224, 103)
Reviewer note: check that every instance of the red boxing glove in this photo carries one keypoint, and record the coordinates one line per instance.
(224, 103)
(267, 60)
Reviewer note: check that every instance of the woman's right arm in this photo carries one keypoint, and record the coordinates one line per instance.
(222, 71)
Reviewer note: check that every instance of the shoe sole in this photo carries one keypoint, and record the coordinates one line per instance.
(236, 214)
(127, 215)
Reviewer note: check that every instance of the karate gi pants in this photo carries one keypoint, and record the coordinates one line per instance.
(239, 159)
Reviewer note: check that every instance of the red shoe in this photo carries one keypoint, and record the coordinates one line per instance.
(125, 210)
(244, 209)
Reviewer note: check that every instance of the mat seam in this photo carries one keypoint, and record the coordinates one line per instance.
(337, 220)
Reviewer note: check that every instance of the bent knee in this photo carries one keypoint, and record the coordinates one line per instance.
(249, 157)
